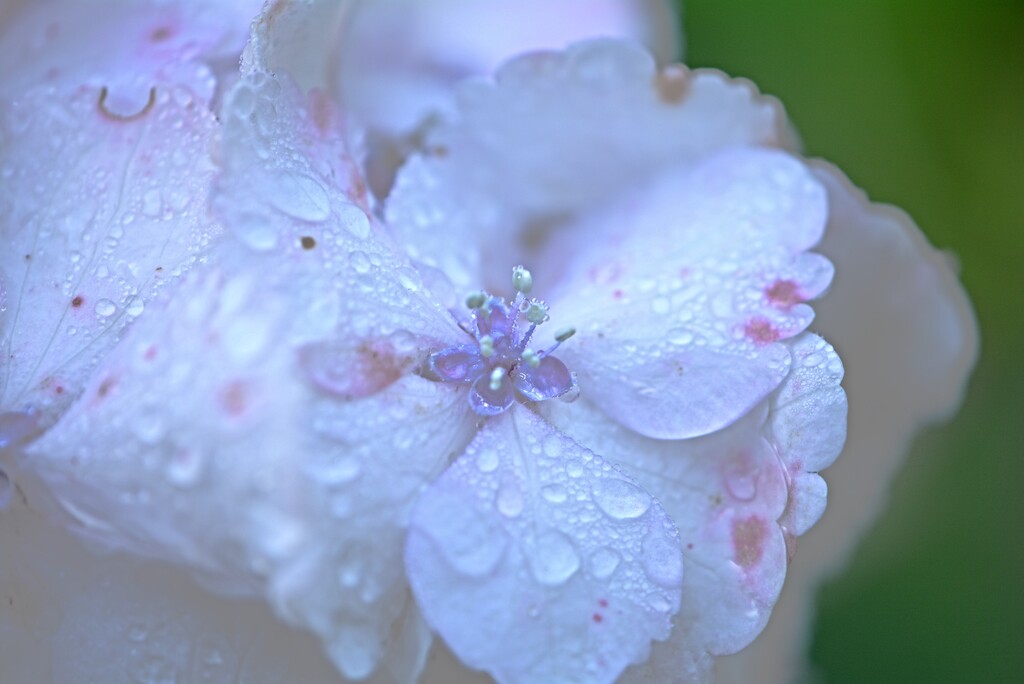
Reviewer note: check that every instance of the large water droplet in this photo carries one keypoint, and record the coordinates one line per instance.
(301, 196)
(105, 307)
(487, 460)
(604, 562)
(510, 498)
(555, 493)
(553, 559)
(355, 220)
(620, 499)
(662, 560)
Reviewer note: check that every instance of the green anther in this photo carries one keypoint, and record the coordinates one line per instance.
(487, 346)
(522, 280)
(564, 333)
(476, 300)
(496, 375)
(531, 358)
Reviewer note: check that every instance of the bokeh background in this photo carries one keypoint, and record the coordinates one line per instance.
(922, 104)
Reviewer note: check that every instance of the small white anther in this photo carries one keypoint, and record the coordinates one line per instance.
(476, 300)
(496, 375)
(487, 346)
(522, 280)
(531, 358)
(563, 334)
(536, 312)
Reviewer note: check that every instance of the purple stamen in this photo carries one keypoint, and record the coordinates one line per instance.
(498, 364)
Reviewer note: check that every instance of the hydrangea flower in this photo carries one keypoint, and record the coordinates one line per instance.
(270, 348)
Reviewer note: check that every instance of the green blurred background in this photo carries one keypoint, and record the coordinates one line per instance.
(922, 104)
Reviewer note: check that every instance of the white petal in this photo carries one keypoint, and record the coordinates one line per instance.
(538, 561)
(126, 47)
(676, 300)
(68, 615)
(98, 214)
(908, 339)
(432, 45)
(558, 133)
(264, 428)
(738, 496)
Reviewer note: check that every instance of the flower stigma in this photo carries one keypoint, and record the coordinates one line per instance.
(499, 365)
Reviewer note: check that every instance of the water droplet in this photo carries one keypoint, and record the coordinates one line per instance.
(135, 307)
(620, 499)
(359, 261)
(301, 196)
(661, 305)
(105, 307)
(152, 203)
(604, 562)
(555, 493)
(185, 467)
(510, 498)
(553, 559)
(574, 469)
(487, 461)
(339, 471)
(355, 220)
(658, 603)
(149, 427)
(741, 481)
(662, 560)
(552, 447)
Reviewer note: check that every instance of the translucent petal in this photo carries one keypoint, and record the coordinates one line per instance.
(457, 364)
(909, 339)
(264, 428)
(98, 215)
(548, 380)
(125, 47)
(538, 561)
(737, 496)
(432, 45)
(487, 400)
(677, 302)
(554, 135)
(70, 615)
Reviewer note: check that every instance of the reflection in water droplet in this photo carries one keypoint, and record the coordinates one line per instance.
(135, 307)
(553, 560)
(619, 499)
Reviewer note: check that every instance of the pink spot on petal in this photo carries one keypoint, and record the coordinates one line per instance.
(784, 293)
(150, 352)
(603, 603)
(748, 536)
(234, 397)
(597, 617)
(354, 372)
(760, 331)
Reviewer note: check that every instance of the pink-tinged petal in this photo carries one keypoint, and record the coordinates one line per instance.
(398, 62)
(98, 215)
(125, 47)
(264, 428)
(739, 496)
(539, 562)
(554, 135)
(677, 300)
(69, 615)
(908, 338)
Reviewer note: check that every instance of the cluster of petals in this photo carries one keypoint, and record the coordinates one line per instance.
(250, 431)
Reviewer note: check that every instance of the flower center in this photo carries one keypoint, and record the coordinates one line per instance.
(500, 363)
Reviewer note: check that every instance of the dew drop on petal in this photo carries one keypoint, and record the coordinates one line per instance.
(662, 560)
(355, 220)
(510, 499)
(105, 307)
(554, 559)
(620, 499)
(604, 562)
(555, 493)
(301, 197)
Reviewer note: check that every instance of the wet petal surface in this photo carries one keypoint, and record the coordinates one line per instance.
(530, 539)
